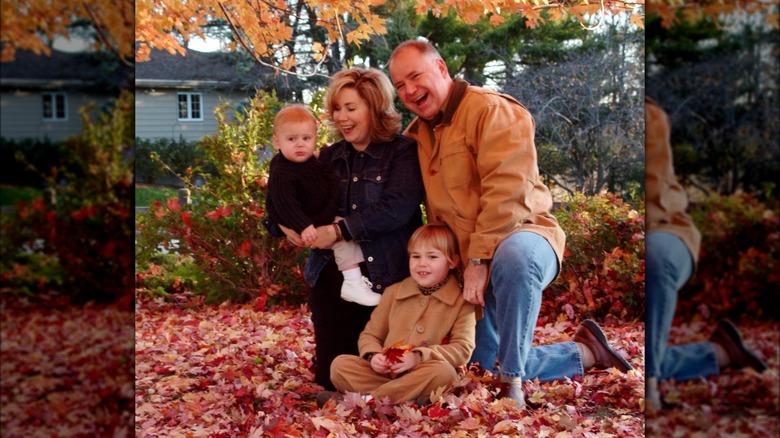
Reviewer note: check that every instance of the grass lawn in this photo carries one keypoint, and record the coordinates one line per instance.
(146, 195)
(10, 195)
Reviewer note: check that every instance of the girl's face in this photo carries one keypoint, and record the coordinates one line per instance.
(296, 140)
(352, 117)
(428, 265)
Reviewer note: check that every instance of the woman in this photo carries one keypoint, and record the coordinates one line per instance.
(380, 196)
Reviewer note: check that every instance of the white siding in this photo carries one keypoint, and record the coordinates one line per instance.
(21, 115)
(156, 113)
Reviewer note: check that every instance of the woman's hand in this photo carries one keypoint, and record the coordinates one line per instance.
(292, 236)
(326, 237)
(309, 235)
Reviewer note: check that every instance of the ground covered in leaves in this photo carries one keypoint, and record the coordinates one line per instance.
(236, 370)
(66, 370)
(239, 370)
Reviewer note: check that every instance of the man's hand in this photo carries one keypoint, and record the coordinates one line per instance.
(475, 283)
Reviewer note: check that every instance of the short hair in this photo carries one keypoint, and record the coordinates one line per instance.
(294, 113)
(375, 88)
(439, 236)
(423, 47)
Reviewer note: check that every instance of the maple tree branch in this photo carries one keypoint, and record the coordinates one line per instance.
(252, 53)
(103, 37)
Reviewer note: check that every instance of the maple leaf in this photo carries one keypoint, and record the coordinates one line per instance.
(394, 352)
(220, 212)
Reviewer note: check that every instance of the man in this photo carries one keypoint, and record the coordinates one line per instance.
(479, 169)
(671, 253)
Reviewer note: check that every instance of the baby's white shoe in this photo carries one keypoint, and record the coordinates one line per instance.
(359, 291)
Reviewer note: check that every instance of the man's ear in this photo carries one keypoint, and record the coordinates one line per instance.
(442, 68)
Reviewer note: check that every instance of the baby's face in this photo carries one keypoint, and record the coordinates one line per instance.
(296, 140)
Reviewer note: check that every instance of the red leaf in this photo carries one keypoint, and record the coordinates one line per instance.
(395, 351)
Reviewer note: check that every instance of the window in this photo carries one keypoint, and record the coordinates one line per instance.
(55, 106)
(190, 106)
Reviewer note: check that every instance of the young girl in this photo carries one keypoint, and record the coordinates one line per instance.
(419, 334)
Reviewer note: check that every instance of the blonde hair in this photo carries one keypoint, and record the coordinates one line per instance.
(375, 88)
(439, 236)
(294, 113)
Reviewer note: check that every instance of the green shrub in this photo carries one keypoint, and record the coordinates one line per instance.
(90, 228)
(221, 229)
(41, 155)
(178, 155)
(739, 265)
(165, 273)
(603, 265)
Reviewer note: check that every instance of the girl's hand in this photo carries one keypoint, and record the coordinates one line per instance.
(380, 364)
(409, 360)
(292, 236)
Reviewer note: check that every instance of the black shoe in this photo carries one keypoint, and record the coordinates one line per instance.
(324, 396)
(727, 336)
(591, 335)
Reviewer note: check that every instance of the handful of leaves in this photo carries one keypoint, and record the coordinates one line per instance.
(394, 353)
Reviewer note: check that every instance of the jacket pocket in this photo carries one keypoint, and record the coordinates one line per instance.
(373, 185)
(458, 167)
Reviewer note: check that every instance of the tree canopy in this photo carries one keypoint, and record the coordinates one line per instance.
(266, 29)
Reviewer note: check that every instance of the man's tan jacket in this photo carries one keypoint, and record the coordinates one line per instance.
(480, 172)
(665, 199)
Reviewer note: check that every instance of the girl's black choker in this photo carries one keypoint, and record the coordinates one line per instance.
(431, 289)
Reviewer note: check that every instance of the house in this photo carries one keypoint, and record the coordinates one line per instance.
(40, 95)
(175, 95)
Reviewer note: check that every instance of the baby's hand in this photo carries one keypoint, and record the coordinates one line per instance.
(309, 235)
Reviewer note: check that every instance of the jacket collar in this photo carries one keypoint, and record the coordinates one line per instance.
(374, 150)
(448, 294)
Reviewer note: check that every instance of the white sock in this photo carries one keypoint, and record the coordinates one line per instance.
(352, 274)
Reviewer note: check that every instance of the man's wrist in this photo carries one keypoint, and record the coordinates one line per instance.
(479, 261)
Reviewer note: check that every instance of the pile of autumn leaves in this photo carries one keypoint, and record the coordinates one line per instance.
(241, 370)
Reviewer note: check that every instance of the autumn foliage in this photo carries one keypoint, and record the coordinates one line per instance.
(221, 231)
(603, 266)
(83, 242)
(739, 271)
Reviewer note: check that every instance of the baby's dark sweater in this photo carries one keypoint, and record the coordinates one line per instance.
(301, 194)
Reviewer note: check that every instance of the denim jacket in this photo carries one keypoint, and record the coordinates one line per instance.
(380, 200)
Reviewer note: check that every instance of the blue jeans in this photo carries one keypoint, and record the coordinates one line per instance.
(523, 265)
(668, 266)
